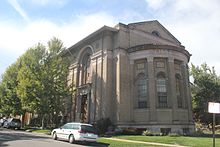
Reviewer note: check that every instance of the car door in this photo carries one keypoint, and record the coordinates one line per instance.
(66, 131)
(61, 131)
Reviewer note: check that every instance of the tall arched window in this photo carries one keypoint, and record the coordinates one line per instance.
(141, 84)
(86, 68)
(178, 91)
(161, 90)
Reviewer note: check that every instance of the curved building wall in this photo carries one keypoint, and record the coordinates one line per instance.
(158, 89)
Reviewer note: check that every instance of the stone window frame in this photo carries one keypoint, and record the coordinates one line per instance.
(140, 76)
(84, 54)
(161, 90)
(139, 62)
(177, 65)
(160, 63)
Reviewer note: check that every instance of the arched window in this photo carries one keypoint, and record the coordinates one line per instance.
(178, 91)
(161, 90)
(141, 84)
(156, 33)
(86, 68)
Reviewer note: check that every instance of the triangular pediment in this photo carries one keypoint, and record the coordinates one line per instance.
(155, 29)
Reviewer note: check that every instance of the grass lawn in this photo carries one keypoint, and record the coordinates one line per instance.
(186, 141)
(113, 143)
(45, 131)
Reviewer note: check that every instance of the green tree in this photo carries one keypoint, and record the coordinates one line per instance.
(9, 100)
(55, 75)
(37, 83)
(205, 88)
(30, 88)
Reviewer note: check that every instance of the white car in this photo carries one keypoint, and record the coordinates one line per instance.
(75, 132)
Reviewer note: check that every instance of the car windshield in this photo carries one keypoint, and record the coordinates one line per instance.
(89, 129)
(16, 120)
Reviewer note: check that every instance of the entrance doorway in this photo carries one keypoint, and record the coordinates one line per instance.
(84, 109)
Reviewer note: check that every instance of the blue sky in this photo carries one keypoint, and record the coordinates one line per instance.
(24, 23)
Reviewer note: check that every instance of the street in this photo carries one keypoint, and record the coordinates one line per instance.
(17, 138)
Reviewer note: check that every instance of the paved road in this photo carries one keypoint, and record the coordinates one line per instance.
(15, 138)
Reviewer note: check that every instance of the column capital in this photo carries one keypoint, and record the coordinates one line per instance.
(131, 61)
(150, 59)
(170, 59)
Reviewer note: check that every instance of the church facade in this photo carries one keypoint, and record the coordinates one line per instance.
(136, 75)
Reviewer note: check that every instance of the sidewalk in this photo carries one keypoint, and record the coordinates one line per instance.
(149, 143)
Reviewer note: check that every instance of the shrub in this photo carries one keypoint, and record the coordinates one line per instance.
(147, 133)
(131, 131)
(174, 135)
(102, 125)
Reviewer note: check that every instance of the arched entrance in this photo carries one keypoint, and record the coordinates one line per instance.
(84, 86)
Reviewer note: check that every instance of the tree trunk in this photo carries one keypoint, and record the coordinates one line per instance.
(42, 121)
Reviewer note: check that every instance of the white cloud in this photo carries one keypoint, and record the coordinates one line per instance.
(49, 2)
(15, 40)
(156, 4)
(194, 23)
(18, 8)
(13, 37)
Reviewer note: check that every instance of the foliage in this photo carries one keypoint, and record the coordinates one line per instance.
(9, 100)
(205, 88)
(174, 135)
(36, 83)
(102, 125)
(131, 131)
(29, 87)
(147, 133)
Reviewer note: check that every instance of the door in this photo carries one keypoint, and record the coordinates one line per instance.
(84, 109)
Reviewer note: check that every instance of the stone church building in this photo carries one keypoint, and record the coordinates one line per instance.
(134, 74)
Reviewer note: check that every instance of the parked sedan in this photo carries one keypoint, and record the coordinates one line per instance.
(12, 123)
(75, 132)
(2, 121)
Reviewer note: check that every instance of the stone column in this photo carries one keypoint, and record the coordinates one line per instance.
(187, 91)
(172, 100)
(75, 107)
(132, 87)
(152, 89)
(78, 110)
(89, 104)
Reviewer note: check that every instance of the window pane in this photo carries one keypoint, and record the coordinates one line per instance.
(142, 104)
(142, 88)
(142, 92)
(161, 85)
(162, 99)
(177, 86)
(179, 102)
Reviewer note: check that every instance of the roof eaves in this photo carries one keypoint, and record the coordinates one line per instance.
(93, 34)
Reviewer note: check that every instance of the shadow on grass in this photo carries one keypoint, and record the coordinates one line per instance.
(205, 135)
(93, 144)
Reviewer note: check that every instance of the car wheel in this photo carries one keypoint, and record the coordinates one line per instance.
(71, 139)
(54, 136)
